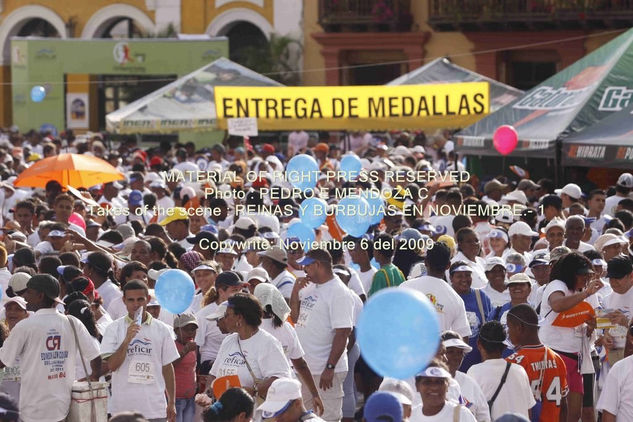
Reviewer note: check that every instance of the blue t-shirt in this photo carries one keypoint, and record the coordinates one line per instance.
(497, 314)
(475, 319)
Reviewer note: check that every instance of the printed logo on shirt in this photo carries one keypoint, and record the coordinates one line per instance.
(439, 307)
(231, 364)
(473, 321)
(140, 347)
(53, 342)
(306, 307)
(54, 359)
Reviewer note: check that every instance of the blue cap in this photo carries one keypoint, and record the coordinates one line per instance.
(306, 260)
(382, 406)
(589, 220)
(135, 198)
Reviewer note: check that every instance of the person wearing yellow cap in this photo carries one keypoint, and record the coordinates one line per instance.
(177, 225)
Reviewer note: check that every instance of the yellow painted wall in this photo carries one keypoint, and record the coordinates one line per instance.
(596, 41)
(312, 58)
(440, 44)
(5, 96)
(196, 15)
(85, 83)
(80, 10)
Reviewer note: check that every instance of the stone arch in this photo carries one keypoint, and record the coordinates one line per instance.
(224, 21)
(13, 23)
(103, 17)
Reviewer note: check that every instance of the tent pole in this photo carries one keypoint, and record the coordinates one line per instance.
(557, 160)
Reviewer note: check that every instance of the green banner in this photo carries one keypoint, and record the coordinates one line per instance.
(45, 62)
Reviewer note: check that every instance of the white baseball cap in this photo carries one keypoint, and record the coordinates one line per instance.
(516, 196)
(493, 261)
(434, 372)
(219, 312)
(626, 180)
(570, 189)
(280, 393)
(554, 222)
(257, 274)
(399, 388)
(459, 343)
(521, 228)
(518, 279)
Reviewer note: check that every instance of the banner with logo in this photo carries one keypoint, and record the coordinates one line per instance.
(355, 107)
(608, 143)
(584, 93)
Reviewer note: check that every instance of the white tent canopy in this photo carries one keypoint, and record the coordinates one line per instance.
(185, 104)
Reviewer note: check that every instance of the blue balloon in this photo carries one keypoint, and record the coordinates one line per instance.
(302, 232)
(352, 215)
(302, 172)
(376, 205)
(350, 167)
(38, 93)
(398, 332)
(174, 291)
(312, 212)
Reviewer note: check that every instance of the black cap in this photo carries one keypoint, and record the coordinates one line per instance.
(69, 272)
(46, 284)
(229, 278)
(195, 240)
(619, 267)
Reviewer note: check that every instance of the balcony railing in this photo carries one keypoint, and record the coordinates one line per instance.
(491, 15)
(365, 15)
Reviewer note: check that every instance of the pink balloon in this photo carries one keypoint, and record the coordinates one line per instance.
(78, 220)
(505, 139)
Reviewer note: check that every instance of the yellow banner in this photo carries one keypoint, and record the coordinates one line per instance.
(355, 107)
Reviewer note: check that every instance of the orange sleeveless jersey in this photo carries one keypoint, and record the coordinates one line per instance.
(554, 387)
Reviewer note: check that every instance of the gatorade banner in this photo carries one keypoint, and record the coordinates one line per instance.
(355, 107)
(579, 96)
(575, 316)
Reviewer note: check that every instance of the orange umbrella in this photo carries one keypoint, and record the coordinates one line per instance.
(75, 170)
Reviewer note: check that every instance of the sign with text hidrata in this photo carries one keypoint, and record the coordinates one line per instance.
(350, 107)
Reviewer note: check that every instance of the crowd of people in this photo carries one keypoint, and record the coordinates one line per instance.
(532, 289)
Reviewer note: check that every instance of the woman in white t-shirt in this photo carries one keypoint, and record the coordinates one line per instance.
(432, 384)
(274, 321)
(251, 353)
(82, 310)
(209, 337)
(573, 282)
(499, 242)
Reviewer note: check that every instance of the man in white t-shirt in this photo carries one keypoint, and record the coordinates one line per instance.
(616, 399)
(574, 230)
(619, 305)
(359, 254)
(520, 234)
(322, 308)
(297, 142)
(622, 189)
(513, 392)
(177, 225)
(139, 351)
(275, 262)
(46, 348)
(449, 306)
